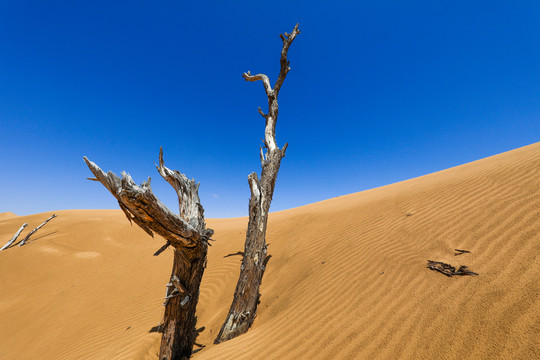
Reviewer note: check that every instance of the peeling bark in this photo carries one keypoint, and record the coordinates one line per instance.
(246, 296)
(186, 233)
(14, 238)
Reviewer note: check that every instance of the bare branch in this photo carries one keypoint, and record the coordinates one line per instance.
(287, 41)
(263, 78)
(261, 112)
(187, 191)
(8, 244)
(272, 94)
(36, 229)
(141, 205)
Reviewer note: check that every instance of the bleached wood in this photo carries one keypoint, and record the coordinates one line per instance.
(14, 238)
(36, 229)
(244, 305)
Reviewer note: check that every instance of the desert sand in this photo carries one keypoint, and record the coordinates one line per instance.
(347, 278)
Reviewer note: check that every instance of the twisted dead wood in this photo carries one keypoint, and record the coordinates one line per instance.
(246, 296)
(186, 233)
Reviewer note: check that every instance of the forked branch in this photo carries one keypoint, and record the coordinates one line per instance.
(287, 41)
(272, 93)
(36, 229)
(141, 206)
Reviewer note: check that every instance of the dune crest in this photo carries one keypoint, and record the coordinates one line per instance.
(347, 278)
(7, 215)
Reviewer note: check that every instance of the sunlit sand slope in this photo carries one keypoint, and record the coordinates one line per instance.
(347, 278)
(7, 215)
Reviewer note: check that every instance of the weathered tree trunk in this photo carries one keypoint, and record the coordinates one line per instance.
(36, 229)
(246, 296)
(8, 244)
(186, 233)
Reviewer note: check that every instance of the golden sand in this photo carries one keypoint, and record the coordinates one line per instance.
(347, 278)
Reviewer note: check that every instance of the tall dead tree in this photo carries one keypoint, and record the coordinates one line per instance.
(246, 296)
(186, 233)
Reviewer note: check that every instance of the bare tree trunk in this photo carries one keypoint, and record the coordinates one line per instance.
(36, 229)
(246, 296)
(14, 237)
(186, 232)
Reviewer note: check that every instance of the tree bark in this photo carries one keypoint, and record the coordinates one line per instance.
(8, 244)
(186, 233)
(246, 296)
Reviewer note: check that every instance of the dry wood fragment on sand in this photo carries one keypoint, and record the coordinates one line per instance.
(448, 269)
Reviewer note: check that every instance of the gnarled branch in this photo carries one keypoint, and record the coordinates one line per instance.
(187, 191)
(141, 205)
(263, 78)
(272, 94)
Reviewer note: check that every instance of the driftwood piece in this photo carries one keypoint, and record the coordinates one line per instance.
(246, 296)
(8, 244)
(461, 252)
(448, 269)
(36, 229)
(186, 233)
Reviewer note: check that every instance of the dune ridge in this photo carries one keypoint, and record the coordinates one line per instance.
(347, 278)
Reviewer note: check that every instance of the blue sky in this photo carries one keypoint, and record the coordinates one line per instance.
(379, 92)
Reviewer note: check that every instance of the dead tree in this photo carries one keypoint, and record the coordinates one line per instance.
(36, 229)
(246, 296)
(8, 244)
(186, 233)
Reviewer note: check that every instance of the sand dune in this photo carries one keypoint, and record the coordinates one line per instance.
(347, 278)
(7, 215)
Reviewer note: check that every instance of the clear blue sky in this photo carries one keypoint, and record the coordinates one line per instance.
(379, 92)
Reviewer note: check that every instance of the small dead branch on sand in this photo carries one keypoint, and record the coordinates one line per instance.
(14, 237)
(448, 269)
(36, 229)
(461, 252)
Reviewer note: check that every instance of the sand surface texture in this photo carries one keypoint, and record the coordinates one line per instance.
(347, 278)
